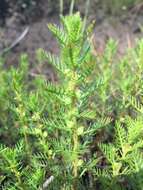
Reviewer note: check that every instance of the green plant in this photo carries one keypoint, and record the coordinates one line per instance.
(82, 132)
(54, 116)
(73, 109)
(122, 92)
(121, 78)
(124, 157)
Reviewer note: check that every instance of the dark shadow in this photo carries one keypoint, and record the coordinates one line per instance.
(126, 182)
(3, 11)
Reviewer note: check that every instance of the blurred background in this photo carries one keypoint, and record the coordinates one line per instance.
(26, 21)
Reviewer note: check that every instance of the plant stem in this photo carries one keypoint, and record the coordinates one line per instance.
(26, 140)
(61, 7)
(72, 6)
(16, 173)
(75, 146)
(75, 140)
(86, 14)
(75, 163)
(18, 179)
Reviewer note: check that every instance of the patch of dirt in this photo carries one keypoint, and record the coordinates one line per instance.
(125, 32)
(124, 29)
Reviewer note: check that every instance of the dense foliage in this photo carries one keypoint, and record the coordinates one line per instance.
(82, 132)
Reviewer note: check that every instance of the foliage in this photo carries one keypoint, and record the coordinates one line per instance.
(124, 157)
(82, 132)
(116, 7)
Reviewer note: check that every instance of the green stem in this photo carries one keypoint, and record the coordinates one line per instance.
(75, 162)
(18, 179)
(27, 147)
(72, 117)
(16, 173)
(26, 140)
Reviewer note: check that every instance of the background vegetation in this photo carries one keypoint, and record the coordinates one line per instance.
(83, 131)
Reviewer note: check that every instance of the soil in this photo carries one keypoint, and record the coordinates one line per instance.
(124, 28)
